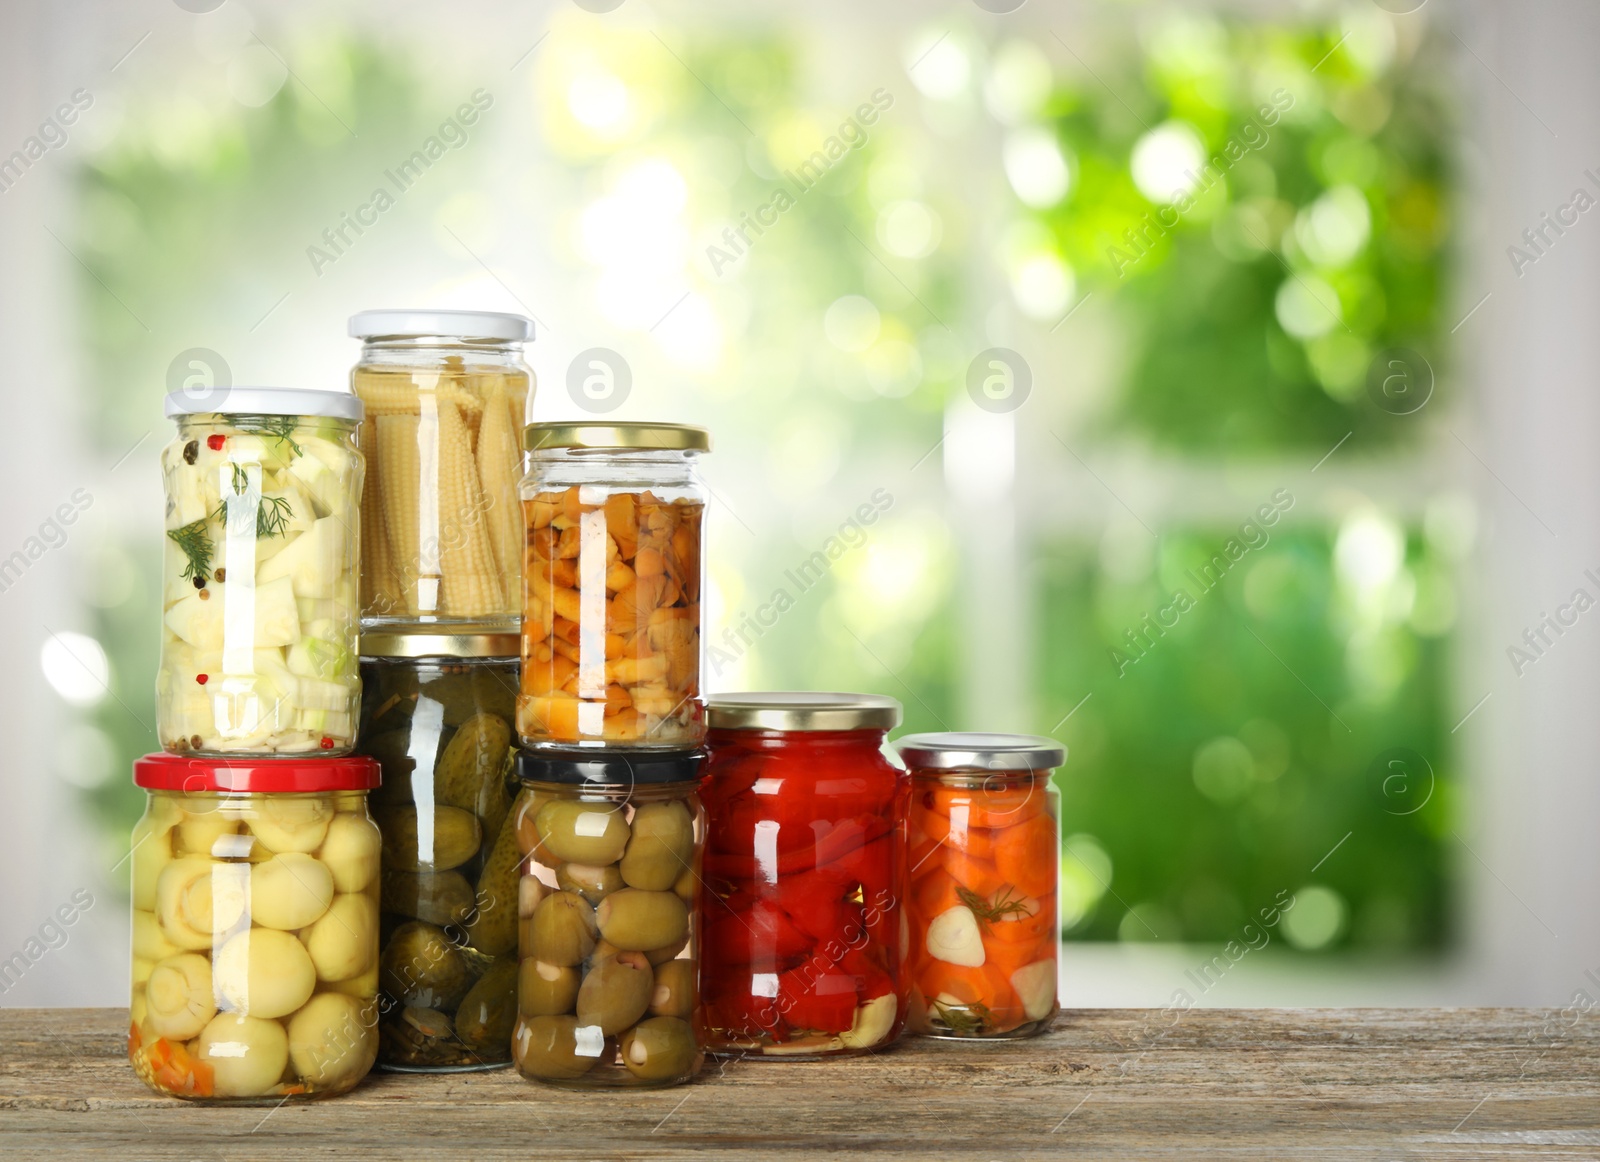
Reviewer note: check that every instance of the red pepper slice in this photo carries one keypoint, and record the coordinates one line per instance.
(821, 1000)
(761, 935)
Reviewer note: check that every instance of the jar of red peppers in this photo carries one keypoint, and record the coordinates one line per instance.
(984, 864)
(805, 868)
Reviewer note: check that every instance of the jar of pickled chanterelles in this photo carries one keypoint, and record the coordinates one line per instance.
(609, 905)
(258, 633)
(985, 860)
(255, 927)
(447, 393)
(436, 713)
(805, 871)
(611, 623)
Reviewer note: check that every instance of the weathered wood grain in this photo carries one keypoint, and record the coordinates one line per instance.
(1281, 1084)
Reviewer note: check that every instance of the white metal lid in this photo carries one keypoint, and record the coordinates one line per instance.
(966, 750)
(408, 324)
(264, 401)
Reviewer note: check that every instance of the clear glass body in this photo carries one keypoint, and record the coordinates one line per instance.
(441, 532)
(985, 924)
(441, 730)
(611, 591)
(255, 945)
(805, 923)
(258, 635)
(609, 937)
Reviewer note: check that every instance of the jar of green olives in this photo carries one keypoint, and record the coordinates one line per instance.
(608, 905)
(437, 712)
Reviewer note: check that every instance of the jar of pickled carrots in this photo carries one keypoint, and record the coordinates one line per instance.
(447, 393)
(436, 713)
(609, 918)
(805, 875)
(985, 863)
(255, 927)
(611, 580)
(258, 628)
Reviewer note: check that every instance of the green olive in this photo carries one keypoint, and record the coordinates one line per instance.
(661, 847)
(546, 989)
(660, 1049)
(484, 1020)
(669, 952)
(420, 967)
(574, 831)
(437, 897)
(674, 994)
(616, 992)
(563, 929)
(687, 886)
(554, 1048)
(524, 815)
(593, 882)
(636, 920)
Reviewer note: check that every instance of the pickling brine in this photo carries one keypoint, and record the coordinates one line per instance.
(259, 622)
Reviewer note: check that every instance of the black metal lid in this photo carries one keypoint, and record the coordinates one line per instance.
(609, 767)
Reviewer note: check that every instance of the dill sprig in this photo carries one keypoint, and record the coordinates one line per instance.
(195, 544)
(241, 479)
(280, 428)
(964, 1020)
(272, 516)
(1003, 905)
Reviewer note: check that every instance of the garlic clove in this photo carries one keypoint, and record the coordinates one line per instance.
(954, 938)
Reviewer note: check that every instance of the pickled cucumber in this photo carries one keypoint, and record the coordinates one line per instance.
(563, 929)
(493, 927)
(637, 920)
(486, 1015)
(555, 1048)
(661, 846)
(437, 897)
(457, 835)
(592, 883)
(580, 832)
(674, 993)
(473, 765)
(616, 992)
(421, 968)
(546, 989)
(392, 749)
(659, 1049)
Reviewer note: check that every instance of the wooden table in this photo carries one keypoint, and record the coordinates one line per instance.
(1281, 1084)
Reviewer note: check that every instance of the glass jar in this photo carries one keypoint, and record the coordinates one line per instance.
(805, 875)
(985, 865)
(609, 933)
(436, 713)
(611, 586)
(258, 634)
(255, 927)
(447, 393)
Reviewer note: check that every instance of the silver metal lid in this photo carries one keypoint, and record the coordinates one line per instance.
(264, 401)
(494, 326)
(456, 641)
(801, 710)
(962, 750)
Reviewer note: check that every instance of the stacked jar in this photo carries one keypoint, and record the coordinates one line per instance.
(255, 866)
(446, 395)
(609, 821)
(805, 873)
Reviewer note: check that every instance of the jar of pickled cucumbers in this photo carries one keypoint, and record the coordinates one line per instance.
(985, 862)
(258, 630)
(611, 582)
(255, 927)
(609, 916)
(447, 393)
(805, 871)
(436, 713)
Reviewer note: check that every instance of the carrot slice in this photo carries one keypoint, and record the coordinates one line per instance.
(1001, 807)
(1028, 930)
(955, 831)
(1026, 854)
(932, 895)
(978, 875)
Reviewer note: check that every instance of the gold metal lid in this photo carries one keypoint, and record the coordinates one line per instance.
(437, 641)
(963, 751)
(802, 710)
(619, 437)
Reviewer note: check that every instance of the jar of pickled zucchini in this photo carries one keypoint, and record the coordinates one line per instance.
(985, 862)
(436, 713)
(609, 916)
(258, 629)
(805, 875)
(255, 927)
(611, 582)
(447, 393)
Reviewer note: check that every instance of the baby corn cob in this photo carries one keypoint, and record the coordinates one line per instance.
(399, 469)
(379, 592)
(471, 579)
(497, 459)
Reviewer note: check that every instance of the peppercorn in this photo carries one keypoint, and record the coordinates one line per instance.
(220, 574)
(199, 582)
(202, 678)
(190, 451)
(195, 741)
(327, 743)
(205, 595)
(215, 442)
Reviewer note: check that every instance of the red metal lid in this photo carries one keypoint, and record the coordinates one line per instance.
(191, 773)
